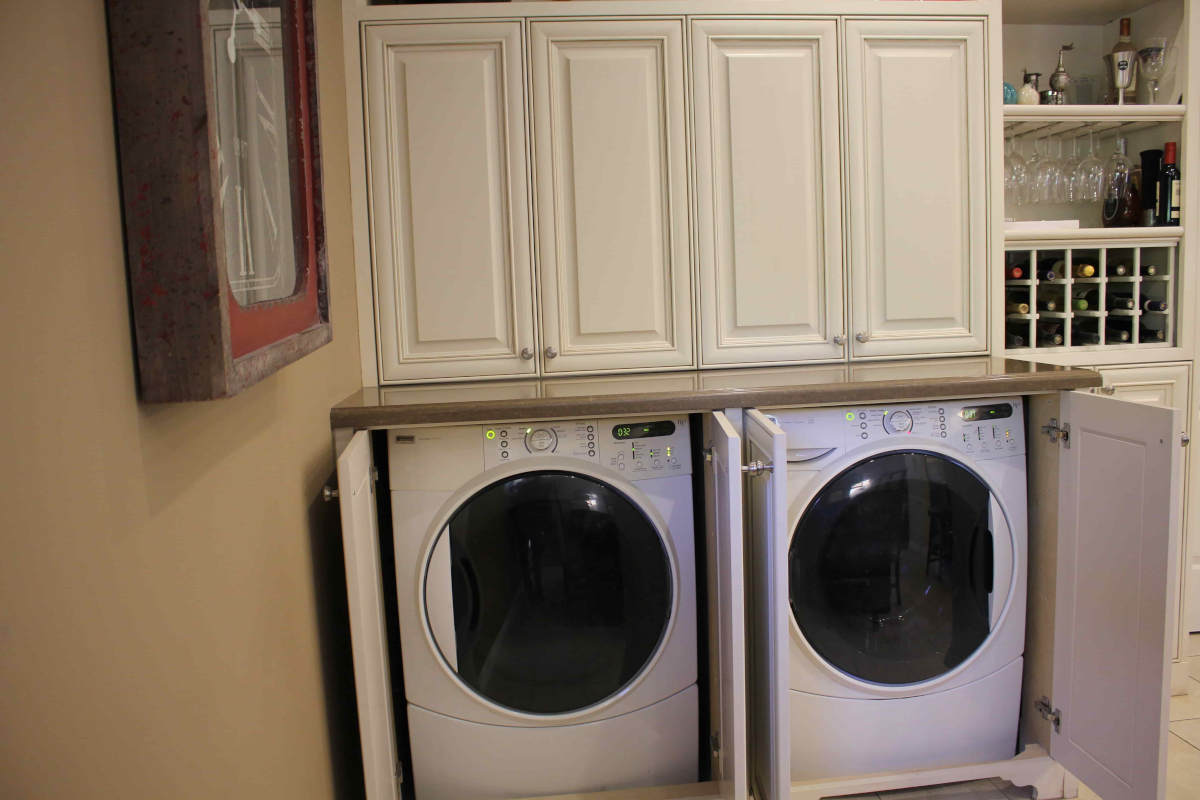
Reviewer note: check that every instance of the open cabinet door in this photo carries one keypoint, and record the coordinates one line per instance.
(1116, 560)
(723, 521)
(368, 634)
(766, 545)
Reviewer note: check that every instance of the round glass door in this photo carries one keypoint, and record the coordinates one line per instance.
(890, 568)
(548, 592)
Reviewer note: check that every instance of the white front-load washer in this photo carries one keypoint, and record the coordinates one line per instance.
(906, 561)
(546, 598)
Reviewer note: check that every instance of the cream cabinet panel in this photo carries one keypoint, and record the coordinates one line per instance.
(612, 197)
(768, 190)
(1163, 385)
(447, 177)
(917, 158)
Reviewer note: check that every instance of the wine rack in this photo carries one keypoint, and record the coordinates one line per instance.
(1089, 296)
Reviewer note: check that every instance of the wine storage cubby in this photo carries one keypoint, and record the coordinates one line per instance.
(1089, 296)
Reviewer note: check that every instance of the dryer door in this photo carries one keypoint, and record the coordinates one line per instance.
(891, 567)
(549, 591)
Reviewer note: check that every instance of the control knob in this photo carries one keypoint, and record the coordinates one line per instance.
(898, 422)
(541, 440)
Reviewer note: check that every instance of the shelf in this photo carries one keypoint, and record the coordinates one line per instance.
(1163, 236)
(1067, 120)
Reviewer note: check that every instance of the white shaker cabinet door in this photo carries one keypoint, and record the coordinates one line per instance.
(916, 111)
(447, 175)
(768, 190)
(612, 199)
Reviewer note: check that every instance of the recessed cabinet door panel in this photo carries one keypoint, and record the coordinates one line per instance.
(766, 537)
(1115, 558)
(769, 190)
(612, 203)
(727, 605)
(917, 153)
(368, 634)
(449, 200)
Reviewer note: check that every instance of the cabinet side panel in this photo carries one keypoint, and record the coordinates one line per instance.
(1043, 468)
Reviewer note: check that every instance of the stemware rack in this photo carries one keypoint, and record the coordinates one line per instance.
(1066, 121)
(1054, 323)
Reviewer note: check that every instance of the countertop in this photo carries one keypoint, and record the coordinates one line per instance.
(702, 390)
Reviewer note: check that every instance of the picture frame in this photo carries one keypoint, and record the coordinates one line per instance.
(216, 114)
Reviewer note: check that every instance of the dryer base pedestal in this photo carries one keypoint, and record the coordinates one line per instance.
(1033, 768)
(454, 759)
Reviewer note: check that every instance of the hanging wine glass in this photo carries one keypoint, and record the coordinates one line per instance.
(1016, 176)
(1089, 175)
(1069, 165)
(1047, 177)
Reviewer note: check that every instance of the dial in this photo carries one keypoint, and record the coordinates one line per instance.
(541, 440)
(898, 422)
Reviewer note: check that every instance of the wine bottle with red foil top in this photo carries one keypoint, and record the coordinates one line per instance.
(1170, 187)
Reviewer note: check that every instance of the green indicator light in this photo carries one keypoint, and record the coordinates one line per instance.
(491, 434)
(528, 431)
(668, 452)
(850, 415)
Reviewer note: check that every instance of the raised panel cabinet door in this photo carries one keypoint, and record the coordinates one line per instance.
(1115, 558)
(447, 176)
(614, 258)
(768, 183)
(917, 155)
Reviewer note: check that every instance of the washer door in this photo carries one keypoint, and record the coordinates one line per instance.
(548, 592)
(891, 565)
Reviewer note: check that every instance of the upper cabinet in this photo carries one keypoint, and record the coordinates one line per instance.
(610, 145)
(449, 203)
(573, 193)
(768, 187)
(917, 158)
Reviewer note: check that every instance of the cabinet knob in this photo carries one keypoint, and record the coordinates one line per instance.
(1184, 439)
(551, 352)
(861, 337)
(526, 353)
(1109, 390)
(839, 340)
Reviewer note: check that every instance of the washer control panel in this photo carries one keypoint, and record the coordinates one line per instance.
(638, 447)
(988, 428)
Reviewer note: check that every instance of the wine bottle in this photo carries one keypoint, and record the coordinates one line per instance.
(1149, 269)
(1080, 304)
(1148, 334)
(1046, 272)
(1121, 302)
(1014, 340)
(1122, 60)
(1017, 308)
(1170, 187)
(1151, 167)
(1014, 273)
(1118, 269)
(1154, 305)
(1082, 336)
(1049, 304)
(1118, 331)
(1049, 334)
(1084, 270)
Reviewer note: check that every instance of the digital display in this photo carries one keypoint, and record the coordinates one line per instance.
(643, 430)
(981, 413)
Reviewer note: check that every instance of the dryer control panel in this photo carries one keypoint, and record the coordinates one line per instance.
(638, 447)
(989, 428)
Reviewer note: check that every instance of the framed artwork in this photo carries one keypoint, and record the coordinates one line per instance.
(216, 113)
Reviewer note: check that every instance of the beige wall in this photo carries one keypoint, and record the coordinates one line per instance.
(159, 596)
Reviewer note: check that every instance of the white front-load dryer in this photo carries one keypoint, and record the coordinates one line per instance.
(546, 599)
(906, 561)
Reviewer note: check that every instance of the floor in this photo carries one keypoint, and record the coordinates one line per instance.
(1183, 758)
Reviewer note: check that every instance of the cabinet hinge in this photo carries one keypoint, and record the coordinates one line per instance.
(1058, 432)
(1043, 707)
(756, 468)
(714, 744)
(398, 774)
(708, 453)
(374, 475)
